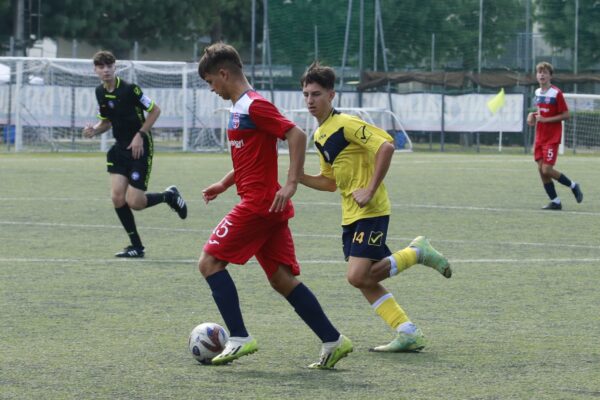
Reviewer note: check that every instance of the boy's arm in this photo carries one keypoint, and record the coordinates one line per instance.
(324, 180)
(555, 118)
(296, 139)
(137, 143)
(318, 182)
(383, 159)
(210, 193)
(100, 127)
(151, 118)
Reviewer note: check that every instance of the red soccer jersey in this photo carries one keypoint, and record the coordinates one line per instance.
(549, 103)
(254, 127)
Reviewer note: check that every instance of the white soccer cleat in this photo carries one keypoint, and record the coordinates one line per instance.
(332, 353)
(235, 348)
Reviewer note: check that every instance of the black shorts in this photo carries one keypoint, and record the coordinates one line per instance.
(120, 161)
(366, 237)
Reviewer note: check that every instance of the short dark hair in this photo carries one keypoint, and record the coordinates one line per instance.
(217, 56)
(545, 65)
(317, 73)
(104, 57)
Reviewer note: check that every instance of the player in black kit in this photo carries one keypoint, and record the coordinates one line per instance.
(121, 105)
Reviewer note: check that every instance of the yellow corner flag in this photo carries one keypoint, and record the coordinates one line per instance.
(497, 102)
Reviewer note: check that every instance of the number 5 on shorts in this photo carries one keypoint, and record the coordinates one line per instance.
(222, 229)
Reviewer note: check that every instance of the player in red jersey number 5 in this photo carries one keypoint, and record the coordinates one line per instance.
(551, 111)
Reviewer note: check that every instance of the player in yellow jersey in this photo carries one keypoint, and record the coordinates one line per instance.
(354, 159)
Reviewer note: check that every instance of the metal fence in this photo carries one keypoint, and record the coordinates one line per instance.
(45, 103)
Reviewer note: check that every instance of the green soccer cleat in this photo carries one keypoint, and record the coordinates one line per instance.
(404, 342)
(431, 257)
(235, 348)
(330, 356)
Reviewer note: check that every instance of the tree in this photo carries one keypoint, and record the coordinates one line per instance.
(117, 24)
(6, 20)
(557, 23)
(455, 24)
(292, 26)
(408, 29)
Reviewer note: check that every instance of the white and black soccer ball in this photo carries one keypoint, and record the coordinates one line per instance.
(206, 341)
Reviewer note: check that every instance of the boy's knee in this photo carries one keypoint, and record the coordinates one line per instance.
(547, 170)
(137, 200)
(202, 268)
(283, 281)
(118, 200)
(208, 265)
(355, 280)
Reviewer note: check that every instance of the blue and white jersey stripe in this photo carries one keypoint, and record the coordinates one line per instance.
(239, 115)
(548, 97)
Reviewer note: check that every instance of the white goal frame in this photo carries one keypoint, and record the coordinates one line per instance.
(578, 133)
(380, 117)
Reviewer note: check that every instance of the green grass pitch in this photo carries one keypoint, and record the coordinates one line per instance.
(518, 320)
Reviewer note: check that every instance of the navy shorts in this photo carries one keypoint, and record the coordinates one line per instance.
(365, 238)
(120, 161)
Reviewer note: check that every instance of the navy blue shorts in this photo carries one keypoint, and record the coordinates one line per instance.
(365, 238)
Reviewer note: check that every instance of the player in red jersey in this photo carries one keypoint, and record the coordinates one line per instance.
(551, 111)
(258, 225)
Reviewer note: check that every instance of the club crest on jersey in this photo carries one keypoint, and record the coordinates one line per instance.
(235, 120)
(363, 134)
(135, 176)
(111, 104)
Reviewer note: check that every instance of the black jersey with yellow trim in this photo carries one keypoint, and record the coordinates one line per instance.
(124, 107)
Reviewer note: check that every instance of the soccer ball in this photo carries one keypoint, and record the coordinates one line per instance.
(206, 341)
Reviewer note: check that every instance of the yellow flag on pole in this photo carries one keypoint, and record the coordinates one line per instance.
(497, 102)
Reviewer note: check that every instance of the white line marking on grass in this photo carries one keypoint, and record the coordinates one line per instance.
(72, 199)
(334, 204)
(93, 260)
(340, 261)
(305, 235)
(525, 260)
(462, 208)
(533, 244)
(63, 225)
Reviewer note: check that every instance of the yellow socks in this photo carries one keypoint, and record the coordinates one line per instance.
(402, 260)
(390, 311)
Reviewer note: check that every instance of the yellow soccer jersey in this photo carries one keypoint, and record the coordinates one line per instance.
(347, 146)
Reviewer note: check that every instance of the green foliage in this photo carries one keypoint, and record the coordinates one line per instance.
(557, 22)
(408, 30)
(6, 19)
(456, 28)
(117, 24)
(518, 319)
(292, 27)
